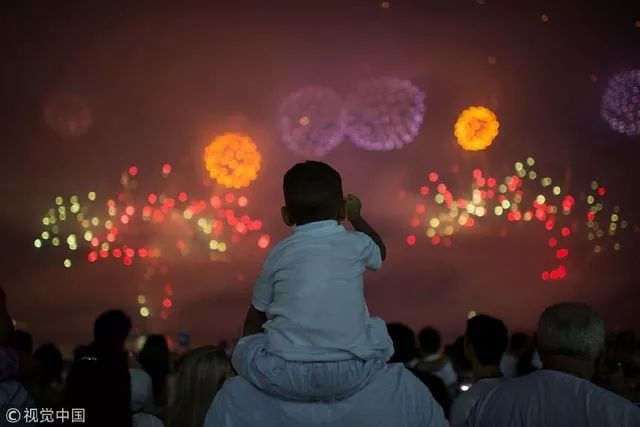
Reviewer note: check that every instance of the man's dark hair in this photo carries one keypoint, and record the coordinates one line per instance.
(519, 342)
(112, 326)
(23, 341)
(489, 338)
(404, 343)
(312, 192)
(429, 340)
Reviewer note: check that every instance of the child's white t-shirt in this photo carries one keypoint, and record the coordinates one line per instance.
(311, 289)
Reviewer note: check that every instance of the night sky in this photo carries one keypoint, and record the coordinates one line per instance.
(162, 79)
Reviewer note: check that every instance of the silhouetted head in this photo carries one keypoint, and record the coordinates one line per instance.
(112, 329)
(519, 343)
(51, 364)
(486, 340)
(430, 340)
(404, 343)
(312, 192)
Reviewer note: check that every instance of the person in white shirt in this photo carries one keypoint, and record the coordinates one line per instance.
(319, 341)
(571, 344)
(142, 400)
(518, 345)
(433, 361)
(485, 342)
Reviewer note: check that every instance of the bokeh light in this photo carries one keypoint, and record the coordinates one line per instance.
(384, 114)
(476, 128)
(232, 160)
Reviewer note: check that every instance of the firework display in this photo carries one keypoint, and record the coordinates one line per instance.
(621, 103)
(524, 196)
(232, 160)
(384, 114)
(476, 128)
(156, 228)
(68, 115)
(311, 121)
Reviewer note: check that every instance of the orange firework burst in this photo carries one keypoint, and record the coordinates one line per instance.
(232, 160)
(476, 128)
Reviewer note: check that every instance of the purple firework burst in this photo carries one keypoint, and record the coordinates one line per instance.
(311, 121)
(384, 114)
(621, 103)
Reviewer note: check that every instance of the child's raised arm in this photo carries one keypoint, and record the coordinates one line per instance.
(353, 209)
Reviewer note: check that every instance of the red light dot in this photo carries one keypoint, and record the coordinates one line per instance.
(127, 261)
(181, 244)
(104, 254)
(562, 253)
(602, 191)
(152, 198)
(562, 272)
(411, 240)
(143, 252)
(481, 182)
(229, 198)
(133, 171)
(168, 289)
(447, 242)
(263, 241)
(442, 188)
(433, 177)
(470, 222)
(111, 237)
(424, 190)
(166, 169)
(566, 231)
(553, 242)
(591, 216)
(182, 196)
(95, 241)
(130, 210)
(130, 253)
(124, 219)
(117, 253)
(166, 303)
(242, 201)
(477, 173)
(415, 222)
(215, 202)
(164, 316)
(491, 182)
(92, 257)
(435, 240)
(421, 208)
(549, 225)
(554, 275)
(545, 275)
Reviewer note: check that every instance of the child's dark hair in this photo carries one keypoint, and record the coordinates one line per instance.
(313, 192)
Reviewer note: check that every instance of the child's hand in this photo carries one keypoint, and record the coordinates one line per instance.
(353, 207)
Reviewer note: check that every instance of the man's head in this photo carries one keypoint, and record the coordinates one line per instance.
(519, 343)
(312, 192)
(486, 340)
(570, 337)
(404, 343)
(112, 328)
(429, 340)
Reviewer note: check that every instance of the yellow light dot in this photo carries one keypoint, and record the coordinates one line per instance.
(522, 173)
(530, 161)
(55, 241)
(527, 216)
(222, 247)
(91, 196)
(188, 214)
(614, 217)
(590, 199)
(546, 181)
(624, 224)
(540, 199)
(202, 222)
(73, 200)
(617, 246)
(67, 263)
(59, 200)
(108, 224)
(498, 210)
(142, 299)
(599, 233)
(144, 312)
(471, 208)
(434, 222)
(471, 314)
(88, 235)
(519, 166)
(55, 229)
(105, 246)
(557, 190)
(591, 236)
(479, 211)
(597, 249)
(439, 198)
(502, 188)
(112, 211)
(505, 204)
(75, 208)
(45, 221)
(37, 243)
(431, 232)
(594, 185)
(532, 175)
(448, 230)
(71, 238)
(45, 235)
(213, 245)
(476, 198)
(95, 221)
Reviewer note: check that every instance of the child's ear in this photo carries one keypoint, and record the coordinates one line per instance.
(285, 216)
